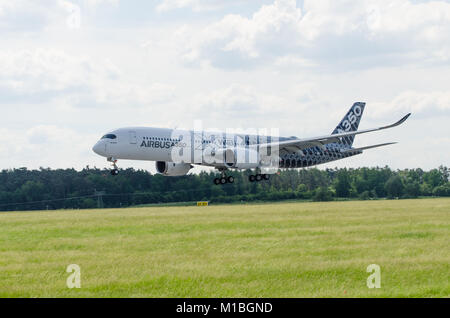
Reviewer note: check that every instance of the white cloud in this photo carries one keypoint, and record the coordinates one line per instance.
(48, 72)
(368, 31)
(95, 3)
(35, 16)
(421, 104)
(239, 99)
(22, 15)
(404, 16)
(287, 62)
(236, 37)
(44, 75)
(294, 111)
(44, 146)
(44, 134)
(195, 5)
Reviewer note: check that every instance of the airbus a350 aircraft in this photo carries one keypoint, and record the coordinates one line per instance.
(176, 151)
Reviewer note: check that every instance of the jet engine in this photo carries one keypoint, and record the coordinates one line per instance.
(172, 169)
(239, 158)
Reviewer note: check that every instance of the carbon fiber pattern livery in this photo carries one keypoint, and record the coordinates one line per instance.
(317, 155)
(350, 122)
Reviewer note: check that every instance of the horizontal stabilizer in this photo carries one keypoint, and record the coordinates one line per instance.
(368, 147)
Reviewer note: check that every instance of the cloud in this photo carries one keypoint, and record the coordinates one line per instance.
(45, 134)
(422, 104)
(95, 3)
(236, 40)
(195, 5)
(338, 33)
(35, 16)
(21, 15)
(44, 146)
(45, 75)
(288, 62)
(296, 110)
(238, 99)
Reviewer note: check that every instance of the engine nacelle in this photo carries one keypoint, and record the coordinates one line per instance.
(172, 169)
(239, 158)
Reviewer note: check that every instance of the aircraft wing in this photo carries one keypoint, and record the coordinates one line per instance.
(299, 144)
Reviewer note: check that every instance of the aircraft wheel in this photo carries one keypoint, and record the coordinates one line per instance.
(266, 176)
(114, 172)
(223, 180)
(230, 179)
(258, 177)
(216, 181)
(251, 178)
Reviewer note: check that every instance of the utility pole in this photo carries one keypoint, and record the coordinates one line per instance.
(99, 195)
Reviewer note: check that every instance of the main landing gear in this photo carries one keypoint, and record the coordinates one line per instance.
(258, 177)
(115, 170)
(223, 179)
(230, 179)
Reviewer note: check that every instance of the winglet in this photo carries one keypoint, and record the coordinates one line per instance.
(401, 121)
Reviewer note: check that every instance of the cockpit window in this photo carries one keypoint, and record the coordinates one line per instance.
(109, 136)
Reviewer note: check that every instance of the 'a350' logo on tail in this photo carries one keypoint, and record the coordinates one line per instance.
(350, 122)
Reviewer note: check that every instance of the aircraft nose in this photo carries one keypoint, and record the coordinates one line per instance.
(97, 148)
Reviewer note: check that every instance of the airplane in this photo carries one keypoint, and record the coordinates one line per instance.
(175, 152)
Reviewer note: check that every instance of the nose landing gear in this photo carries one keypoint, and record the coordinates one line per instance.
(115, 170)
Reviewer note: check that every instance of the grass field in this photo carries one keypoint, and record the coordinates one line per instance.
(267, 250)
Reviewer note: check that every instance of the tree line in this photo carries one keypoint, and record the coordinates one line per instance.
(23, 189)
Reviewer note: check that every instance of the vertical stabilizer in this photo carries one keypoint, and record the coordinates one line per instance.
(350, 122)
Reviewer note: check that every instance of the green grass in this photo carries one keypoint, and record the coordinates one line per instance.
(269, 250)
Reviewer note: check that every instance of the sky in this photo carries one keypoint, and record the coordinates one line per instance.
(70, 71)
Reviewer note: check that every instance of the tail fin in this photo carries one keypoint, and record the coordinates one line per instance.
(350, 123)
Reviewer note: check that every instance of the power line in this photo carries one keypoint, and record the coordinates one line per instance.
(47, 201)
(100, 194)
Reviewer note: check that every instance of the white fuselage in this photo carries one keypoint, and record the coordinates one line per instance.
(170, 145)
